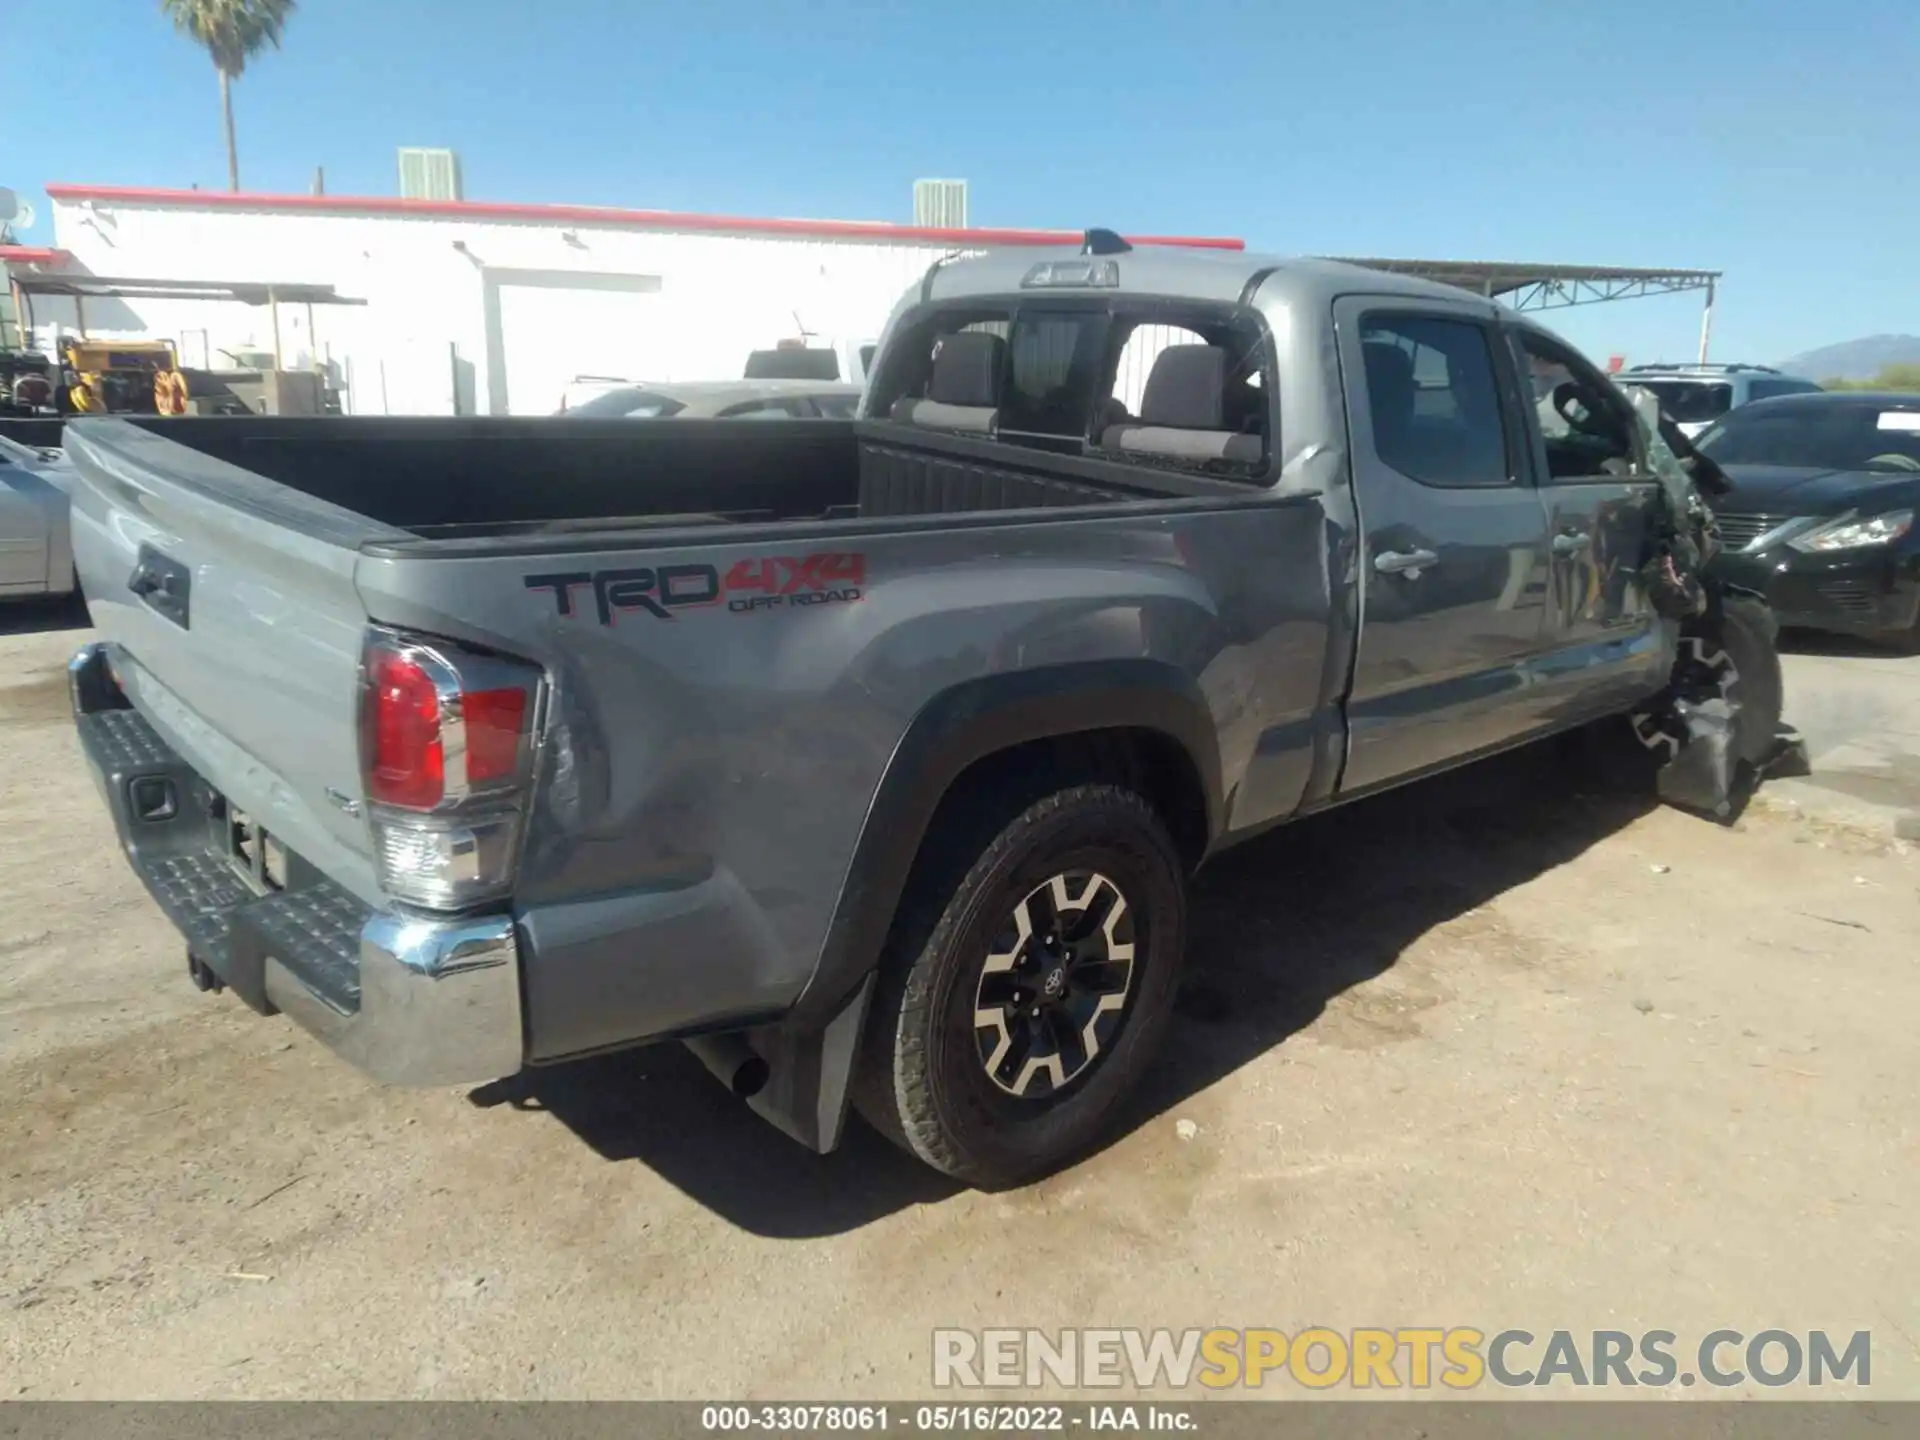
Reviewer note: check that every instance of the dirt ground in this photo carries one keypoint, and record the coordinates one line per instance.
(1489, 1053)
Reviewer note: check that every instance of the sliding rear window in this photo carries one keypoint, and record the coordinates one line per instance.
(1170, 384)
(1054, 364)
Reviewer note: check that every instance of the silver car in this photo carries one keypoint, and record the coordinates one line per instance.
(36, 553)
(722, 400)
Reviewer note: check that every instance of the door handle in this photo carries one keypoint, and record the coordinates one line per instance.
(1571, 544)
(1405, 562)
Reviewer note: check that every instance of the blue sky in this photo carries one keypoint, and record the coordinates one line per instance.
(1761, 138)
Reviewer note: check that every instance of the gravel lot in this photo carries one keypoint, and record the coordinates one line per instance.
(1490, 1053)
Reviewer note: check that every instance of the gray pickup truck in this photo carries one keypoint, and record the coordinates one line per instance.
(871, 758)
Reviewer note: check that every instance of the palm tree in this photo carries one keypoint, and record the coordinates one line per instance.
(232, 32)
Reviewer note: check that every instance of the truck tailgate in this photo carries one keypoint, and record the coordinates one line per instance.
(230, 603)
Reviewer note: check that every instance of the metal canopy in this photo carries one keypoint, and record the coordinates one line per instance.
(246, 292)
(1549, 287)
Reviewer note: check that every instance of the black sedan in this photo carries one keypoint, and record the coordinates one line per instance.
(1820, 516)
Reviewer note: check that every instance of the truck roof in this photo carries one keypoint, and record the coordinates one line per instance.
(1200, 274)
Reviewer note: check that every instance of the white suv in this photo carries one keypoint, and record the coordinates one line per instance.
(1697, 395)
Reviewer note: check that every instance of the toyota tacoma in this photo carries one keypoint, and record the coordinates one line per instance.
(871, 758)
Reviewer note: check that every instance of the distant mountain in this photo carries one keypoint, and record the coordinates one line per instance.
(1855, 359)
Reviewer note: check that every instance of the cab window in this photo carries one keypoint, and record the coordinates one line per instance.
(1433, 399)
(1587, 427)
(1187, 387)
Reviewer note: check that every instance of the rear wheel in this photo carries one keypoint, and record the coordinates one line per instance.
(1018, 1009)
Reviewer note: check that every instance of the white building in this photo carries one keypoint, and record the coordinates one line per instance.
(479, 308)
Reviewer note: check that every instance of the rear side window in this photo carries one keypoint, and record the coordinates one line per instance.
(1434, 401)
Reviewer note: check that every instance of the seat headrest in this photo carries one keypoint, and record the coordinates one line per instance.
(1390, 383)
(1186, 389)
(966, 370)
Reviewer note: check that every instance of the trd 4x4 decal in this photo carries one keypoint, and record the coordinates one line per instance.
(769, 582)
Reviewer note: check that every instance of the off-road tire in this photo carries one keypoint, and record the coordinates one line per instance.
(922, 1081)
(1743, 631)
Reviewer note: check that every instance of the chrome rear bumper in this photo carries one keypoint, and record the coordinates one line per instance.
(410, 998)
(439, 1001)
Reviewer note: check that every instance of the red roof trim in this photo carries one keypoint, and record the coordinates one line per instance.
(602, 215)
(31, 255)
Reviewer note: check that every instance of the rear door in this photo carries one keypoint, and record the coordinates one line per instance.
(1602, 500)
(1455, 561)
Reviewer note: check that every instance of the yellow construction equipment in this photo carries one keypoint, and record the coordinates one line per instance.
(120, 377)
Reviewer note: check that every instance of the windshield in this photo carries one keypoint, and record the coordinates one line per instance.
(1824, 437)
(837, 407)
(635, 404)
(1690, 402)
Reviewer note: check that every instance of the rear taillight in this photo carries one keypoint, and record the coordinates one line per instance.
(496, 722)
(406, 757)
(446, 751)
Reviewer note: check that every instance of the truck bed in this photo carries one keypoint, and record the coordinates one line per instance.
(442, 478)
(236, 602)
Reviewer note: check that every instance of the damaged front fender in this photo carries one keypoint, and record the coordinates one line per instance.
(1716, 729)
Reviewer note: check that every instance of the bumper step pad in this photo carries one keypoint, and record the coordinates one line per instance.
(177, 847)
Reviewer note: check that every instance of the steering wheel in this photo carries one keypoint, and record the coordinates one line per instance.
(1895, 461)
(1570, 402)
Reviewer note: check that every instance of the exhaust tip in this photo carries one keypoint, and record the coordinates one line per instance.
(733, 1063)
(750, 1078)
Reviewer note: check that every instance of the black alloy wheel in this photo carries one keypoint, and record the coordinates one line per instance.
(1053, 991)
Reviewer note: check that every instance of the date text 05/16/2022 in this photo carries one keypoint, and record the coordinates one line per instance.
(752, 586)
(967, 1418)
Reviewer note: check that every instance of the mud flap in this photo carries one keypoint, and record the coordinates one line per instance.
(804, 1075)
